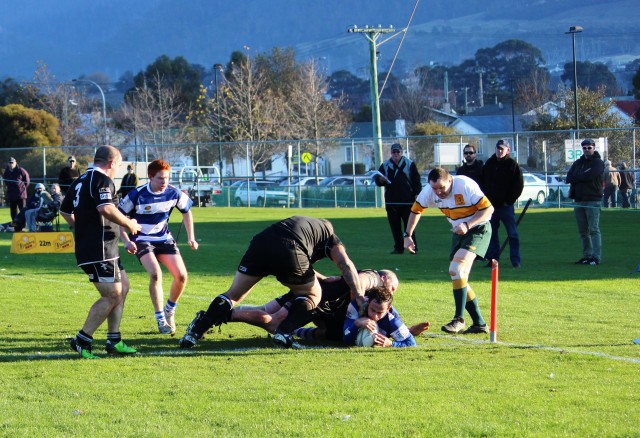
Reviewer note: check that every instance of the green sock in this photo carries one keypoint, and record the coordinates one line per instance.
(474, 310)
(460, 297)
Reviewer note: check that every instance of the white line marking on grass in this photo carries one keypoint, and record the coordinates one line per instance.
(306, 347)
(537, 347)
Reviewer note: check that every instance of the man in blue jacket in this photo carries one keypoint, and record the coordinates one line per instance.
(585, 176)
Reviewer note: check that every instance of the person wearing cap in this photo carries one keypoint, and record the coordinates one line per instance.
(68, 174)
(502, 182)
(401, 181)
(611, 184)
(17, 181)
(585, 177)
(471, 167)
(129, 182)
(41, 200)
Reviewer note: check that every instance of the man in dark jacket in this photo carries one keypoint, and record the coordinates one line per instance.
(472, 167)
(627, 181)
(502, 183)
(585, 176)
(17, 181)
(68, 174)
(401, 181)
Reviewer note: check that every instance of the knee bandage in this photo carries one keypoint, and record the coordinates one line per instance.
(458, 269)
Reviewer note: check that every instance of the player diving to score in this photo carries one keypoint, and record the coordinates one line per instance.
(330, 314)
(468, 210)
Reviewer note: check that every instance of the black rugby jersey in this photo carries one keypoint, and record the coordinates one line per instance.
(96, 237)
(315, 236)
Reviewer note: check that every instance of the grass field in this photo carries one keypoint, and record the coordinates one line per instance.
(565, 364)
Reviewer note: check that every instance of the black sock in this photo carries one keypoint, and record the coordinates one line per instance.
(113, 338)
(84, 340)
(299, 315)
(219, 312)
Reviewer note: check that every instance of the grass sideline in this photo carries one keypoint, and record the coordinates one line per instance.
(565, 364)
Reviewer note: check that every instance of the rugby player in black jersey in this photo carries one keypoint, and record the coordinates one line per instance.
(287, 249)
(91, 210)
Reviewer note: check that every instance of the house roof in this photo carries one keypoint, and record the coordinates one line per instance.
(491, 124)
(629, 107)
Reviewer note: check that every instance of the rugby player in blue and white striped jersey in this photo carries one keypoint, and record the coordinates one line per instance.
(151, 205)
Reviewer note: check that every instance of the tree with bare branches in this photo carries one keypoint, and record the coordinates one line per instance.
(155, 113)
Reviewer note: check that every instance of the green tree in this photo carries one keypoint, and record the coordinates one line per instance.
(594, 112)
(25, 127)
(592, 76)
(504, 68)
(12, 92)
(177, 74)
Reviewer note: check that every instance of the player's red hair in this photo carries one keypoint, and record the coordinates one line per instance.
(156, 166)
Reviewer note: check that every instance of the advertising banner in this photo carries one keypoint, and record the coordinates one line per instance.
(37, 243)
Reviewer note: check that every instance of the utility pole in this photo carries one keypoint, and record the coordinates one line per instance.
(372, 34)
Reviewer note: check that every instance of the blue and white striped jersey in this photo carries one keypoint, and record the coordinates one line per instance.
(152, 210)
(390, 325)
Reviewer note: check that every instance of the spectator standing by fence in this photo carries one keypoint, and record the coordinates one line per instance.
(17, 181)
(471, 167)
(586, 176)
(627, 181)
(503, 184)
(68, 174)
(401, 181)
(129, 182)
(611, 184)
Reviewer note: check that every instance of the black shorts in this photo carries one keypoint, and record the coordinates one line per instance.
(271, 254)
(166, 247)
(103, 272)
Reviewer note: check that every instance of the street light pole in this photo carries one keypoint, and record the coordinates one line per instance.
(573, 30)
(104, 107)
(217, 67)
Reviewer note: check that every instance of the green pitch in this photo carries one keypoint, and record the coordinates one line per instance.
(565, 363)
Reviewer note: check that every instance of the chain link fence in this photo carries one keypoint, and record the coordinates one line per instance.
(334, 172)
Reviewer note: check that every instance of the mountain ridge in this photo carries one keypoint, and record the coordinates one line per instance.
(113, 36)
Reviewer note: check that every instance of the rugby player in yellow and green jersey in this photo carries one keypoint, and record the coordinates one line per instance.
(469, 211)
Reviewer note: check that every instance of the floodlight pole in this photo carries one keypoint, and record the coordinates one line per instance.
(573, 30)
(104, 107)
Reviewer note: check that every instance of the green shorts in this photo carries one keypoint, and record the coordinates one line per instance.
(476, 240)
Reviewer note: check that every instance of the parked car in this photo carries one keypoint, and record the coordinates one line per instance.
(534, 188)
(263, 193)
(200, 183)
(304, 181)
(555, 184)
(345, 181)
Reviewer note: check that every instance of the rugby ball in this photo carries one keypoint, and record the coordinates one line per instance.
(365, 338)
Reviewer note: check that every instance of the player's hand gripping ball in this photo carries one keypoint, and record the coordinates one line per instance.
(365, 338)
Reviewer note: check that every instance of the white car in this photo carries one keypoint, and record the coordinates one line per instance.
(263, 193)
(557, 183)
(345, 181)
(534, 188)
(304, 181)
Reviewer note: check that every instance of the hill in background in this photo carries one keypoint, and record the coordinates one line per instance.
(75, 37)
